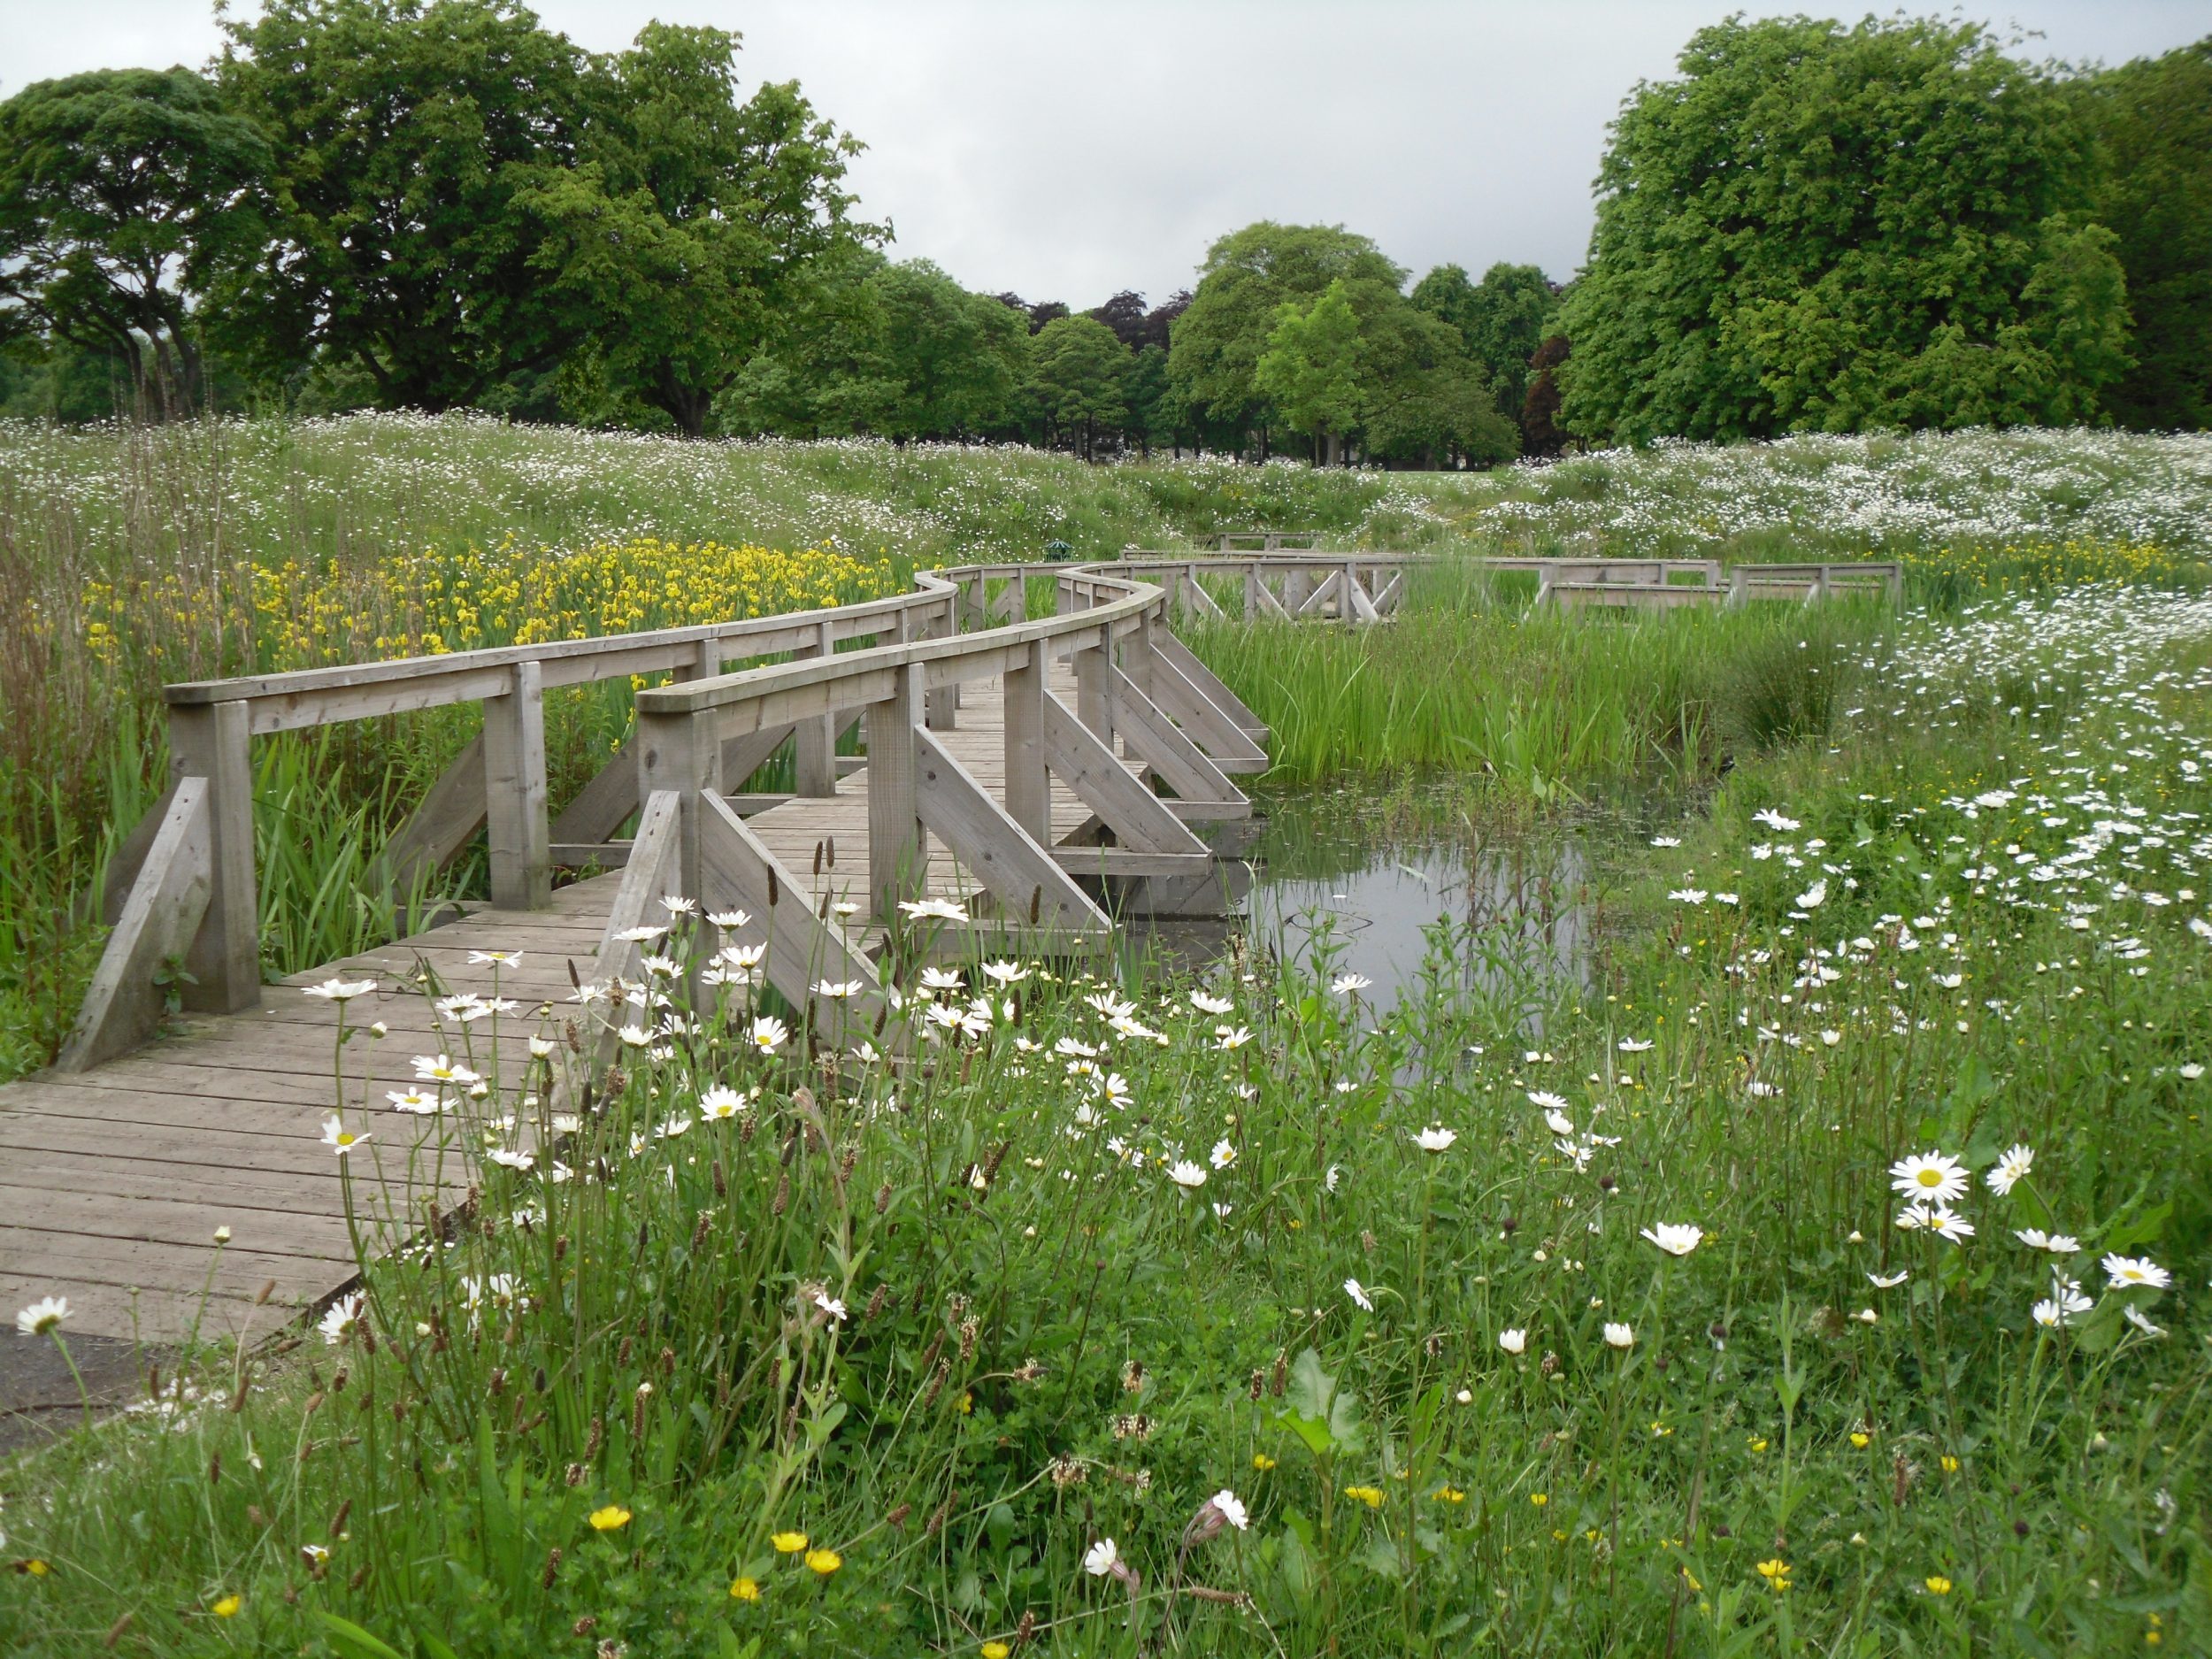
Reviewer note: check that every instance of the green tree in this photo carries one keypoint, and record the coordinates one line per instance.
(1501, 319)
(407, 140)
(1078, 380)
(1822, 228)
(1310, 371)
(2153, 120)
(120, 191)
(1217, 341)
(682, 237)
(1425, 401)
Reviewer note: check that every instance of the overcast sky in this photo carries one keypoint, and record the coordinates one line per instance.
(1065, 149)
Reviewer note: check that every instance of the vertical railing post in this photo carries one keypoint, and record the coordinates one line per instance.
(1251, 593)
(1347, 611)
(1028, 785)
(211, 741)
(941, 707)
(1093, 684)
(897, 852)
(814, 765)
(516, 829)
(683, 753)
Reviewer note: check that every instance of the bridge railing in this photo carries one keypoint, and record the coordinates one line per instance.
(183, 884)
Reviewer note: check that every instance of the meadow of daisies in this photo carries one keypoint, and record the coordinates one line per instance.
(1825, 1272)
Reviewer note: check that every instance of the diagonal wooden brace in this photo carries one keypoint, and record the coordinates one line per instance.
(1025, 878)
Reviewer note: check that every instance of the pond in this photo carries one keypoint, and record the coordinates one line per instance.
(1378, 886)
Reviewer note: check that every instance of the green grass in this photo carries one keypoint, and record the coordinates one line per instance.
(1546, 706)
(1048, 1341)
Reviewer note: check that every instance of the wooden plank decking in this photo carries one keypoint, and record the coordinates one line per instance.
(113, 1181)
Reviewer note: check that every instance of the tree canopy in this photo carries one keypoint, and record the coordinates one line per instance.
(2153, 119)
(1823, 227)
(120, 191)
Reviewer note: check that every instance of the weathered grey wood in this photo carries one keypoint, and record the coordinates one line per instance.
(648, 877)
(1209, 725)
(451, 812)
(679, 754)
(747, 753)
(1182, 766)
(1124, 861)
(1080, 759)
(740, 872)
(814, 763)
(1028, 780)
(601, 805)
(897, 849)
(1215, 690)
(1265, 600)
(129, 856)
(514, 792)
(1010, 862)
(123, 1006)
(211, 741)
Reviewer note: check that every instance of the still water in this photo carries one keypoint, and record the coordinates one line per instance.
(1376, 888)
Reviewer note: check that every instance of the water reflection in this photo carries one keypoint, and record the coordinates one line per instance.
(1397, 890)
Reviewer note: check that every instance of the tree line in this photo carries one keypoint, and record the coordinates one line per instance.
(441, 204)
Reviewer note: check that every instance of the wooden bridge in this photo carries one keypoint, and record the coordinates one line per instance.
(1039, 751)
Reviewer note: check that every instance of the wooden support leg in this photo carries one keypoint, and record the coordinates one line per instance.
(451, 814)
(514, 792)
(897, 850)
(681, 754)
(123, 1006)
(1013, 865)
(814, 765)
(1181, 765)
(1028, 784)
(1093, 695)
(1081, 760)
(211, 741)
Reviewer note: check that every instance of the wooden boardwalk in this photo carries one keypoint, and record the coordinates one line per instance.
(114, 1181)
(1036, 769)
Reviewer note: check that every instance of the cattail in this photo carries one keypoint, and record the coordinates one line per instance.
(576, 1472)
(1133, 1377)
(338, 1521)
(896, 1519)
(832, 844)
(314, 1404)
(537, 1380)
(399, 1411)
(261, 1295)
(668, 1362)
(998, 1158)
(700, 1229)
(818, 860)
(970, 1328)
(622, 1354)
(936, 1384)
(592, 1439)
(876, 1301)
(215, 1469)
(721, 1183)
(116, 1630)
(1259, 1382)
(883, 1198)
(782, 1200)
(942, 1513)
(775, 887)
(1282, 1373)
(1036, 904)
(360, 1577)
(552, 1568)
(1025, 1632)
(498, 1382)
(254, 1515)
(585, 1626)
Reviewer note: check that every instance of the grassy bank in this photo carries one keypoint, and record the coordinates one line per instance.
(1419, 1335)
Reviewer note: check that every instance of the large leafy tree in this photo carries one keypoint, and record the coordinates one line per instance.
(1310, 371)
(1822, 228)
(2154, 118)
(408, 140)
(1079, 380)
(683, 238)
(1501, 320)
(1217, 341)
(120, 191)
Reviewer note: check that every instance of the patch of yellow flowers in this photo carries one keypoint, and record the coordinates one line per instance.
(304, 613)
